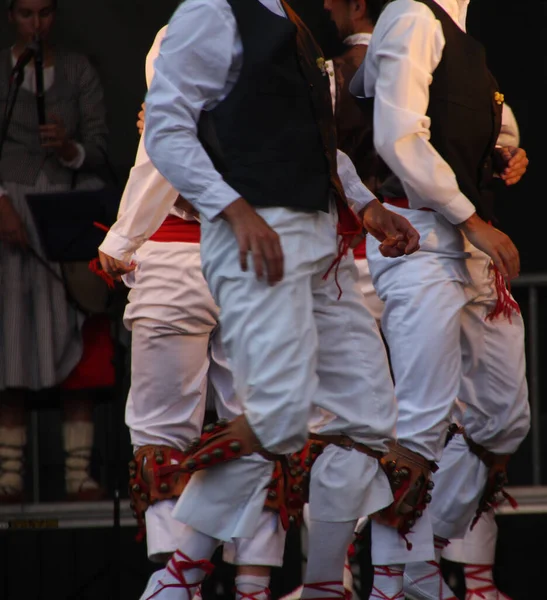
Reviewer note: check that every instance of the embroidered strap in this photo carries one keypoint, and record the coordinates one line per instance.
(435, 573)
(385, 571)
(176, 567)
(326, 588)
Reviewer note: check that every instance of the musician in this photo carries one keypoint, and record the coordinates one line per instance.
(40, 333)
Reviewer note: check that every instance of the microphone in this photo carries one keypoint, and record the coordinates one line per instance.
(26, 56)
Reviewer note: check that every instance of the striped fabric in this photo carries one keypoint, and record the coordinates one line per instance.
(40, 333)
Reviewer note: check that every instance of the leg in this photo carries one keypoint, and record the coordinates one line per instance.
(356, 399)
(270, 339)
(13, 439)
(423, 295)
(496, 415)
(171, 314)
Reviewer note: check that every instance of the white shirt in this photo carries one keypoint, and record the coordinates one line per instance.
(199, 63)
(147, 198)
(405, 49)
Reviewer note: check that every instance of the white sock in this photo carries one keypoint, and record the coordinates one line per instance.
(78, 444)
(252, 585)
(196, 547)
(327, 551)
(388, 582)
(12, 447)
(425, 580)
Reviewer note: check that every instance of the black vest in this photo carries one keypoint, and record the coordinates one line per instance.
(465, 115)
(273, 137)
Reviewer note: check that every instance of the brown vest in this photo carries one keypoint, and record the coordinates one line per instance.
(354, 120)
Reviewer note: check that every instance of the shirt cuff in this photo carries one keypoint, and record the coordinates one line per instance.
(215, 199)
(458, 210)
(119, 247)
(77, 161)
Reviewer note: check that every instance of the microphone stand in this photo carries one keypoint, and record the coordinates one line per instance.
(39, 74)
(13, 91)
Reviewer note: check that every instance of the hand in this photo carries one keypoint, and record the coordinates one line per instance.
(183, 204)
(254, 235)
(140, 118)
(54, 136)
(396, 234)
(512, 164)
(495, 243)
(12, 228)
(114, 267)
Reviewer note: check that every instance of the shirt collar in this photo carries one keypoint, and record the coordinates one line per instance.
(357, 39)
(457, 9)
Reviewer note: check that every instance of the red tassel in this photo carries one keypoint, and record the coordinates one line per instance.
(349, 226)
(514, 504)
(95, 267)
(505, 304)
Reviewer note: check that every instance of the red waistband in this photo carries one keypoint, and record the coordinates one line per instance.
(403, 203)
(360, 251)
(175, 229)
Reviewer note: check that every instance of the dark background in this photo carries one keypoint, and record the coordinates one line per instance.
(116, 35)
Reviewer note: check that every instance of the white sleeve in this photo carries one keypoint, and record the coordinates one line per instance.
(191, 73)
(509, 134)
(356, 191)
(405, 50)
(77, 161)
(147, 198)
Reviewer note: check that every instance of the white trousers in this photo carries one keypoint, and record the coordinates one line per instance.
(177, 361)
(442, 348)
(290, 347)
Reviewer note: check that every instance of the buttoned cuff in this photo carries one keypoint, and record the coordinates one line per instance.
(119, 247)
(458, 210)
(215, 199)
(77, 161)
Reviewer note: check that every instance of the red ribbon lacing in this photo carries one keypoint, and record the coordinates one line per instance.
(253, 596)
(435, 573)
(325, 587)
(474, 572)
(348, 227)
(385, 571)
(176, 568)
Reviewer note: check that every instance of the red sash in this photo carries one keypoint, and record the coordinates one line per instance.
(175, 229)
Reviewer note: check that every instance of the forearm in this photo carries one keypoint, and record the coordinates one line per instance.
(358, 195)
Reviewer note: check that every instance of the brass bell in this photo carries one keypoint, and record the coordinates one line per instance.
(430, 485)
(235, 447)
(195, 442)
(404, 473)
(314, 448)
(208, 428)
(307, 462)
(135, 514)
(191, 464)
(427, 498)
(411, 523)
(396, 482)
(164, 488)
(218, 453)
(136, 488)
(272, 495)
(132, 464)
(159, 459)
(296, 489)
(292, 473)
(391, 465)
(132, 474)
(205, 458)
(222, 423)
(144, 496)
(418, 514)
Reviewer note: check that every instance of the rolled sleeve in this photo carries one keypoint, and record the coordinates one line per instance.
(190, 76)
(356, 191)
(404, 53)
